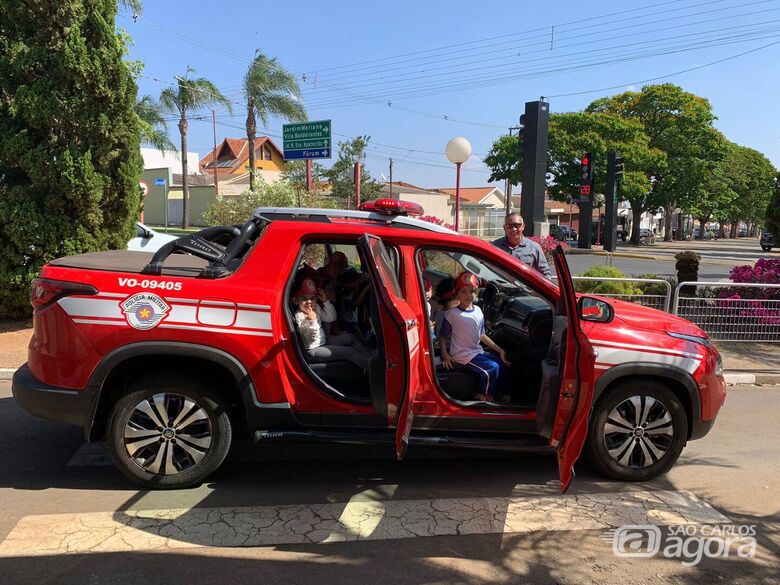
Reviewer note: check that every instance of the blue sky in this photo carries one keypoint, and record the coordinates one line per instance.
(474, 63)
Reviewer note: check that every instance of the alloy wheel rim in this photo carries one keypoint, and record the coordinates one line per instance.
(638, 432)
(167, 434)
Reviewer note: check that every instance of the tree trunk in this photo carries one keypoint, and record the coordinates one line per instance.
(680, 226)
(734, 228)
(721, 229)
(251, 133)
(185, 194)
(668, 213)
(637, 214)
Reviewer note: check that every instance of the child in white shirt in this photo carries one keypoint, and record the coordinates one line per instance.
(464, 327)
(314, 309)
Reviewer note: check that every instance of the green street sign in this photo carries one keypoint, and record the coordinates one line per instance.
(306, 140)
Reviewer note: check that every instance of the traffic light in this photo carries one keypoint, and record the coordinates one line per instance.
(586, 162)
(618, 166)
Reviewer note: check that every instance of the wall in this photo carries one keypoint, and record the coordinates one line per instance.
(154, 159)
(154, 202)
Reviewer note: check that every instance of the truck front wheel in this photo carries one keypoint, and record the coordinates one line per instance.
(168, 433)
(637, 431)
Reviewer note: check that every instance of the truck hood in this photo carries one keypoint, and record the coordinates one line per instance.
(637, 316)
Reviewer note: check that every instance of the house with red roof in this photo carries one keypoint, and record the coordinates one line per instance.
(232, 160)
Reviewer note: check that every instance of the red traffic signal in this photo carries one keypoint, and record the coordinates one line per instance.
(585, 161)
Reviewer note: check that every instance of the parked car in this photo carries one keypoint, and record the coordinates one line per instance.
(148, 240)
(166, 356)
(646, 236)
(767, 241)
(742, 233)
(562, 233)
(709, 234)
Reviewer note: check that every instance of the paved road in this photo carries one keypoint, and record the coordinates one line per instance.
(314, 514)
(718, 257)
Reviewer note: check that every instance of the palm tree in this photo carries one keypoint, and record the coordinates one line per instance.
(190, 95)
(154, 130)
(269, 90)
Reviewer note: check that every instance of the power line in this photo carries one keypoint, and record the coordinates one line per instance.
(666, 75)
(494, 38)
(500, 62)
(580, 34)
(587, 61)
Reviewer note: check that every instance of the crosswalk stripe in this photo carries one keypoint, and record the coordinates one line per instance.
(369, 517)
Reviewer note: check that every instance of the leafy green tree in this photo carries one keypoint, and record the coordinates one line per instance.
(189, 95)
(573, 134)
(342, 173)
(680, 125)
(505, 160)
(751, 177)
(154, 130)
(773, 211)
(295, 173)
(270, 90)
(69, 139)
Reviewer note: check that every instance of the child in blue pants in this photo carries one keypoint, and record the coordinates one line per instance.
(464, 326)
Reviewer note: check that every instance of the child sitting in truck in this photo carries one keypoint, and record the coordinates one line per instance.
(314, 309)
(464, 327)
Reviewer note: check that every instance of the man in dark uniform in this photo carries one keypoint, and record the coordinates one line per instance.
(523, 249)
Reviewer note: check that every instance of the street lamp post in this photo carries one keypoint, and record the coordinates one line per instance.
(458, 151)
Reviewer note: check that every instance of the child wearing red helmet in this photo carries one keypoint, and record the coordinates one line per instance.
(464, 327)
(314, 309)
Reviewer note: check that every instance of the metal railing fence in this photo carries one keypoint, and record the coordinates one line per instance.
(731, 311)
(660, 301)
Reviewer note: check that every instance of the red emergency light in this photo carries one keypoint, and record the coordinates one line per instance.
(392, 207)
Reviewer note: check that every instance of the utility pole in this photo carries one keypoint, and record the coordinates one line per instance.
(214, 158)
(508, 189)
(614, 172)
(391, 178)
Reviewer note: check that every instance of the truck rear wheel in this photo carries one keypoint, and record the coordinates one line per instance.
(168, 433)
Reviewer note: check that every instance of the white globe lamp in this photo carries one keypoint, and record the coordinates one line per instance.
(458, 151)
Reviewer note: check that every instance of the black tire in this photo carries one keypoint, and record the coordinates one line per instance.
(629, 454)
(187, 457)
(766, 248)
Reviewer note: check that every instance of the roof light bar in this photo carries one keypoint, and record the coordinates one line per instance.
(392, 207)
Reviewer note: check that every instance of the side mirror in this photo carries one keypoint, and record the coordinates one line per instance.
(595, 310)
(148, 234)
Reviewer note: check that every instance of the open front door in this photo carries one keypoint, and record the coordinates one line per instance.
(576, 393)
(401, 341)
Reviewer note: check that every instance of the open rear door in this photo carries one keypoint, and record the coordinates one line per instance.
(576, 393)
(401, 341)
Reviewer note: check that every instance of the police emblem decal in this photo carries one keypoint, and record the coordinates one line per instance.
(144, 310)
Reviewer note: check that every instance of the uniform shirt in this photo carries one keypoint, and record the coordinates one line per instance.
(528, 252)
(312, 333)
(463, 327)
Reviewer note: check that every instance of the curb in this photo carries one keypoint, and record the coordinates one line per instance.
(732, 378)
(613, 254)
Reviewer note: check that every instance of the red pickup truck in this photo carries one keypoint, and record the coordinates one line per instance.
(167, 356)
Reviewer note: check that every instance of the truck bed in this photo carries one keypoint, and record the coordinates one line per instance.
(132, 262)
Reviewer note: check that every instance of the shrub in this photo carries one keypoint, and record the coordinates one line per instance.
(238, 209)
(605, 287)
(654, 288)
(548, 244)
